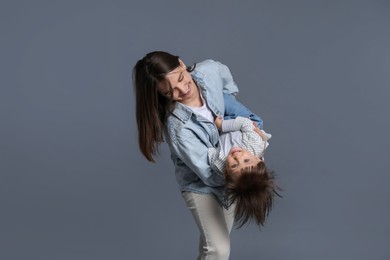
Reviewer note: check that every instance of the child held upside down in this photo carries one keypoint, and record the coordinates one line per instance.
(240, 158)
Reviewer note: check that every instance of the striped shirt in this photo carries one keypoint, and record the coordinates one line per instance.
(238, 132)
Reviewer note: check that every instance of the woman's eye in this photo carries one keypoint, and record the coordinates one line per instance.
(234, 166)
(246, 160)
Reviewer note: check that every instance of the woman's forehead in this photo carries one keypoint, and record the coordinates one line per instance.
(172, 77)
(174, 71)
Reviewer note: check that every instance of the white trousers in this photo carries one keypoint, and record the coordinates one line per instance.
(214, 223)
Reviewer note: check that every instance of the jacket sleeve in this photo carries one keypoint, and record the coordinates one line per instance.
(229, 86)
(233, 109)
(187, 149)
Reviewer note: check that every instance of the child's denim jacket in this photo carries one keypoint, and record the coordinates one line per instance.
(190, 135)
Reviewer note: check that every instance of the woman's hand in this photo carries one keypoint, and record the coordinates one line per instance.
(259, 132)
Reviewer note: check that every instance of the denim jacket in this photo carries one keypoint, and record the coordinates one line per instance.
(189, 135)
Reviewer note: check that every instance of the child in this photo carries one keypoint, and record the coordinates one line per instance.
(240, 158)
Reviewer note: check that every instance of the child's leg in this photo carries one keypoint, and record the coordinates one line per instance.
(214, 223)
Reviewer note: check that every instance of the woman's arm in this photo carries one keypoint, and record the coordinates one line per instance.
(233, 109)
(193, 154)
(229, 86)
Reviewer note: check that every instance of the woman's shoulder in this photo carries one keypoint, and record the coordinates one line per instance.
(177, 121)
(207, 65)
(185, 130)
(208, 68)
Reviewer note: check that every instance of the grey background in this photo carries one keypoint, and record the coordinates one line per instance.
(73, 184)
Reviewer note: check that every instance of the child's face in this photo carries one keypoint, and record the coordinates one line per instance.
(239, 159)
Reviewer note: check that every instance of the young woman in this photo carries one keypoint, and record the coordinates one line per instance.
(180, 104)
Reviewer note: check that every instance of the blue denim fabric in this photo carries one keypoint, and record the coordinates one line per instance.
(189, 136)
(234, 108)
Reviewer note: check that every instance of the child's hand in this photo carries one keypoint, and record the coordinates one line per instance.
(218, 122)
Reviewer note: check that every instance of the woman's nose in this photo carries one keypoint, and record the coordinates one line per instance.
(181, 88)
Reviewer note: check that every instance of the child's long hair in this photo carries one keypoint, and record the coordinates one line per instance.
(253, 191)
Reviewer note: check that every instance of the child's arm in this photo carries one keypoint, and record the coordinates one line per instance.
(254, 139)
(216, 156)
(240, 124)
(217, 159)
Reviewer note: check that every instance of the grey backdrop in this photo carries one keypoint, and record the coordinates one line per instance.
(73, 184)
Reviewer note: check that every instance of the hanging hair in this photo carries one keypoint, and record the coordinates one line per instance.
(253, 190)
(152, 108)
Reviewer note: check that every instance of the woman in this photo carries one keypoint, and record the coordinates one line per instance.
(181, 103)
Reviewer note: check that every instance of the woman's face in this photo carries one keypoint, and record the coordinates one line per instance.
(239, 159)
(179, 86)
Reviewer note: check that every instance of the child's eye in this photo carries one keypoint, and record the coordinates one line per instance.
(246, 160)
(234, 166)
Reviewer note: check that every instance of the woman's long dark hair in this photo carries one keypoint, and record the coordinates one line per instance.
(152, 109)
